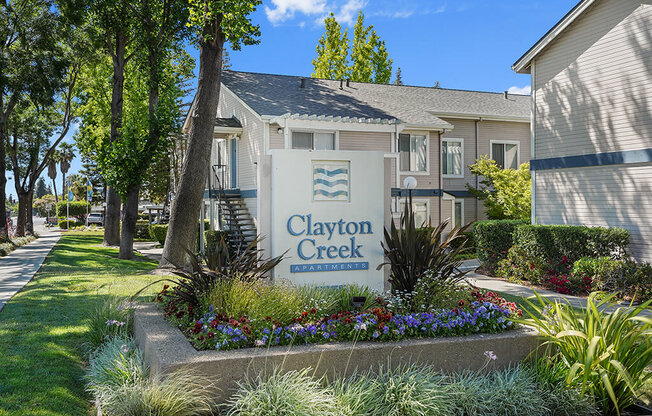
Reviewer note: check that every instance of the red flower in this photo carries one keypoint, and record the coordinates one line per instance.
(461, 303)
(313, 310)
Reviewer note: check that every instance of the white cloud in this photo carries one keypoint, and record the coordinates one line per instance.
(398, 14)
(349, 12)
(520, 90)
(285, 9)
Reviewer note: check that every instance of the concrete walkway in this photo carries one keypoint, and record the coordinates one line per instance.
(149, 249)
(19, 267)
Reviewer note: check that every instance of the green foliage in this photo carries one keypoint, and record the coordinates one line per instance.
(604, 353)
(519, 267)
(178, 394)
(505, 193)
(625, 277)
(293, 393)
(76, 209)
(46, 205)
(142, 229)
(413, 254)
(256, 300)
(115, 363)
(493, 238)
(65, 224)
(213, 238)
(158, 232)
(369, 57)
(552, 242)
(112, 318)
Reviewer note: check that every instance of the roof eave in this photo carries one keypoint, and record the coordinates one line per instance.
(483, 117)
(522, 65)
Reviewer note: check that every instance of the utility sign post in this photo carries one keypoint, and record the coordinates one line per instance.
(68, 199)
(89, 197)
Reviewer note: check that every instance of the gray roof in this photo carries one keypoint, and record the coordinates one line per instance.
(276, 95)
(228, 122)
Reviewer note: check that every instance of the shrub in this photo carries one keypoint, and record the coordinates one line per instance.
(416, 253)
(178, 394)
(493, 238)
(74, 208)
(158, 232)
(625, 277)
(605, 353)
(518, 266)
(115, 363)
(551, 243)
(112, 318)
(293, 393)
(142, 229)
(63, 224)
(213, 238)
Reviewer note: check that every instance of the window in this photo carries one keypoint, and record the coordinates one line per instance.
(505, 154)
(420, 210)
(313, 141)
(458, 213)
(452, 158)
(413, 152)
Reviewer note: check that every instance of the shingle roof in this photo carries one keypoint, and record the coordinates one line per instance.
(227, 122)
(276, 95)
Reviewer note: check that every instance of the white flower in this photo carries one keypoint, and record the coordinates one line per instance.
(490, 355)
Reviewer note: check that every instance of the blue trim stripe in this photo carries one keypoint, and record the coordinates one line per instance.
(245, 193)
(597, 159)
(329, 194)
(416, 192)
(330, 172)
(249, 193)
(330, 183)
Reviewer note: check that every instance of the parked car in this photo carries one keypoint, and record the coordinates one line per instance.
(95, 218)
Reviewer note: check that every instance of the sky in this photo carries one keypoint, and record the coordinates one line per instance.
(461, 44)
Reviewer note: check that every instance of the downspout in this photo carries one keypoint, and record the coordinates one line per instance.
(477, 183)
(441, 185)
(532, 140)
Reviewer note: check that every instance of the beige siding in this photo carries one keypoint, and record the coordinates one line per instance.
(358, 140)
(276, 140)
(593, 84)
(613, 196)
(250, 144)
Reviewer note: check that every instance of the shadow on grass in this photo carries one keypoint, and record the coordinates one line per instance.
(43, 327)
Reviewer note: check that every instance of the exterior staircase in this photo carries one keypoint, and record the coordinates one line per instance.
(237, 221)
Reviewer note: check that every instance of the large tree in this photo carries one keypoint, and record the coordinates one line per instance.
(369, 59)
(212, 23)
(32, 66)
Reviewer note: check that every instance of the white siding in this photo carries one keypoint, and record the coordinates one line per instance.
(608, 196)
(276, 140)
(593, 84)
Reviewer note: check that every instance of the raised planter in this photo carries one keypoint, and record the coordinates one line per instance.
(166, 349)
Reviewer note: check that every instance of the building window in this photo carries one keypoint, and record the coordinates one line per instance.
(413, 152)
(452, 158)
(506, 154)
(458, 212)
(420, 210)
(313, 140)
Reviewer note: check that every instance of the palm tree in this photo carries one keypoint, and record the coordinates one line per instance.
(66, 155)
(52, 172)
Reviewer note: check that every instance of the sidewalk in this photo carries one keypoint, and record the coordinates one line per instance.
(149, 249)
(19, 267)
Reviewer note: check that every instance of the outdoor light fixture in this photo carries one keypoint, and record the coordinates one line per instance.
(410, 182)
(279, 130)
(358, 301)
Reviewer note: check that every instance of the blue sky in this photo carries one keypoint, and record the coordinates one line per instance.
(461, 44)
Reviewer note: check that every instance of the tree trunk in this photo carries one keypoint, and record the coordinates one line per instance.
(29, 219)
(112, 217)
(21, 214)
(129, 218)
(56, 197)
(182, 230)
(4, 235)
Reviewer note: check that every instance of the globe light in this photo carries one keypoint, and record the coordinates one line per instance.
(410, 182)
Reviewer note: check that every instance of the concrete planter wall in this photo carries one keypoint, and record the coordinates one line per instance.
(166, 349)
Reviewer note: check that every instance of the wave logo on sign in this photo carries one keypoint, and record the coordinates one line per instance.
(330, 181)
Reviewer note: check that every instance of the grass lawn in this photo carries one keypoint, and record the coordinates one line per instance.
(42, 328)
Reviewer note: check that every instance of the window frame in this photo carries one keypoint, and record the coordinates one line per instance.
(418, 201)
(335, 133)
(452, 175)
(455, 201)
(498, 141)
(398, 151)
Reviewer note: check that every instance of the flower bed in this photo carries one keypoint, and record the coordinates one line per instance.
(477, 312)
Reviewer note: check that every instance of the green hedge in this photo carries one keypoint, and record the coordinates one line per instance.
(77, 208)
(551, 243)
(626, 277)
(212, 238)
(63, 224)
(493, 238)
(142, 229)
(158, 232)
